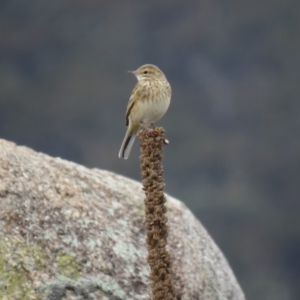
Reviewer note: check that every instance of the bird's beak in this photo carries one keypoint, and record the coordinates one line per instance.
(132, 72)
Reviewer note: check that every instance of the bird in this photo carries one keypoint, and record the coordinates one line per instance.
(149, 101)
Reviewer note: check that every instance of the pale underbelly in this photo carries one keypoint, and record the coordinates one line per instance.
(147, 114)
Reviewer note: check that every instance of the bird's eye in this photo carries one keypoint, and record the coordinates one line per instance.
(145, 72)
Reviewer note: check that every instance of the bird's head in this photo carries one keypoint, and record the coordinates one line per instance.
(148, 72)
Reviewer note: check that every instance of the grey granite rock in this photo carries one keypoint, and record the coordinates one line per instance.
(68, 232)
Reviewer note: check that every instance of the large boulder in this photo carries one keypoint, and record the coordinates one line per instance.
(68, 232)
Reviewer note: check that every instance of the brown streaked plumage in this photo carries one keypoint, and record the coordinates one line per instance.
(148, 102)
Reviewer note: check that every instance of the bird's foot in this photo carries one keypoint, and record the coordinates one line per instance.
(148, 127)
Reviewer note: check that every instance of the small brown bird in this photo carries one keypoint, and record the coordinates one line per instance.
(148, 102)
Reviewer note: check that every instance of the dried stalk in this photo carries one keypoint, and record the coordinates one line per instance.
(151, 143)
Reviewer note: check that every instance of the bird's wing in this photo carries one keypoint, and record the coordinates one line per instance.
(134, 96)
(129, 108)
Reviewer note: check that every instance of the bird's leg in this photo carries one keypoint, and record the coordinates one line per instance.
(148, 127)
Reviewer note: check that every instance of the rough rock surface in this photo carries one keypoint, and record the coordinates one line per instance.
(68, 232)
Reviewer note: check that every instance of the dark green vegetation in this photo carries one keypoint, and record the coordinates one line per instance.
(233, 124)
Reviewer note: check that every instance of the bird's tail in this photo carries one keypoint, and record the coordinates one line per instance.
(128, 142)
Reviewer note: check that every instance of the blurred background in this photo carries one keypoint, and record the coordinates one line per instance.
(233, 124)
